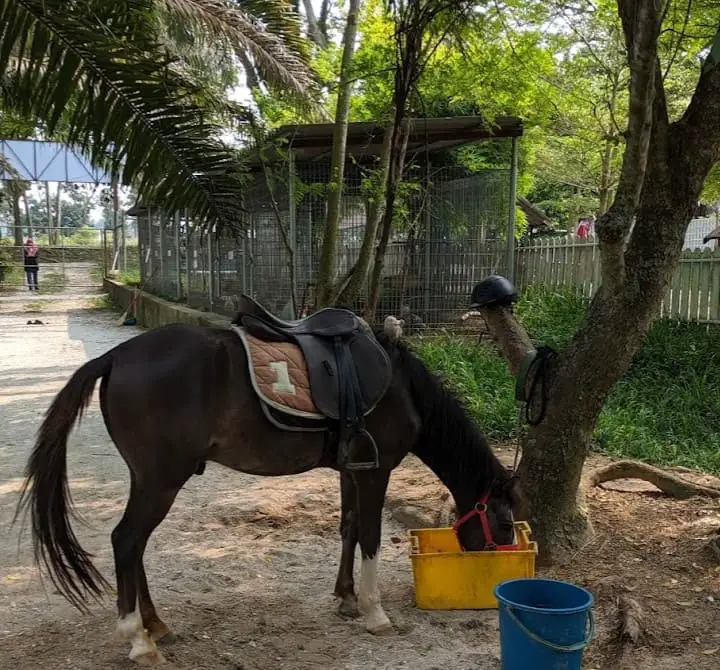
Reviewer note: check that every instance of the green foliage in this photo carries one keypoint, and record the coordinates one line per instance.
(664, 410)
(104, 302)
(130, 277)
(479, 377)
(131, 102)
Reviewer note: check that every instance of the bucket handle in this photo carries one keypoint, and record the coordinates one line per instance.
(557, 647)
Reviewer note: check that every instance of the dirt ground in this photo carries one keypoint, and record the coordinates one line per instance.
(243, 567)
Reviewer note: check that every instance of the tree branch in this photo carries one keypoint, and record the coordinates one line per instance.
(697, 133)
(683, 155)
(641, 25)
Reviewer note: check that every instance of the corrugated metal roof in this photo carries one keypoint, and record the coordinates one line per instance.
(364, 139)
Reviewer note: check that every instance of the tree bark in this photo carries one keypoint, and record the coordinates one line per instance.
(349, 293)
(606, 177)
(28, 214)
(314, 31)
(395, 170)
(641, 23)
(323, 19)
(48, 207)
(55, 239)
(326, 274)
(17, 218)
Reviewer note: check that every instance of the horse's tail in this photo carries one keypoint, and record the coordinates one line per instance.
(46, 493)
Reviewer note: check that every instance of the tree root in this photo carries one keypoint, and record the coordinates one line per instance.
(714, 546)
(630, 620)
(669, 484)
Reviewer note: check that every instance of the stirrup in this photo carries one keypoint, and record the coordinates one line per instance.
(346, 451)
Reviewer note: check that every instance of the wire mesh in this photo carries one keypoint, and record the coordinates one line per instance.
(70, 260)
(450, 229)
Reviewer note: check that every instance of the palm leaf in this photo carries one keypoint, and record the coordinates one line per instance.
(121, 102)
(273, 37)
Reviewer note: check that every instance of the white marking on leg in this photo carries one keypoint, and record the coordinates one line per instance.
(376, 621)
(129, 625)
(143, 649)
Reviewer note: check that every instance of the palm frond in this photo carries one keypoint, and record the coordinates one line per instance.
(7, 170)
(273, 39)
(121, 102)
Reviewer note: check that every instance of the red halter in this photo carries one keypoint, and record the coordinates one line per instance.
(480, 509)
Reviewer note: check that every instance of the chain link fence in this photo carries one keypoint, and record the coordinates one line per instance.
(450, 229)
(70, 260)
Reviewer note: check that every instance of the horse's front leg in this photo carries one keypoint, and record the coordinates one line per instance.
(345, 583)
(371, 486)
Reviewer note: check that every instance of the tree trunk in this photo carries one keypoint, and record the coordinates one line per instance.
(350, 292)
(554, 451)
(314, 31)
(397, 164)
(58, 215)
(48, 207)
(17, 218)
(606, 176)
(28, 214)
(326, 274)
(323, 20)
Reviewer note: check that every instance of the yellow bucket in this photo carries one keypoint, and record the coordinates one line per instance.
(447, 578)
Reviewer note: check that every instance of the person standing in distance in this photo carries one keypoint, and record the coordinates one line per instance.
(30, 262)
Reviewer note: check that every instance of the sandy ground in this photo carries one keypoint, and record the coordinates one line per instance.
(242, 569)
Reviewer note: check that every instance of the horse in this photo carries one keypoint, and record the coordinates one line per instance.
(178, 396)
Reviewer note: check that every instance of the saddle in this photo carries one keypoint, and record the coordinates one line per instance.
(347, 371)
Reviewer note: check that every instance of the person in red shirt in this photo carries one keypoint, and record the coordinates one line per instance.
(583, 229)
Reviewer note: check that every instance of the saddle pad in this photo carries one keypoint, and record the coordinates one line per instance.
(279, 375)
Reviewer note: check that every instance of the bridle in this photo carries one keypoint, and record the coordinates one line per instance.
(480, 509)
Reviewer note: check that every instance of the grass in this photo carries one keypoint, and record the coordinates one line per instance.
(13, 277)
(104, 302)
(665, 410)
(36, 306)
(130, 277)
(52, 282)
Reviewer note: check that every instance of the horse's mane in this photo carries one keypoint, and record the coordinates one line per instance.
(450, 440)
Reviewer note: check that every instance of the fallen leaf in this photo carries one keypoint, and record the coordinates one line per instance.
(710, 652)
(685, 603)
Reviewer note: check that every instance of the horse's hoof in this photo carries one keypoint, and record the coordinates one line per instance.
(383, 630)
(167, 639)
(148, 659)
(159, 632)
(349, 609)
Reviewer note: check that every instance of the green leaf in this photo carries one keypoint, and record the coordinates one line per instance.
(116, 96)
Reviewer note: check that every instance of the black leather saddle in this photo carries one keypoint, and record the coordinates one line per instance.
(349, 371)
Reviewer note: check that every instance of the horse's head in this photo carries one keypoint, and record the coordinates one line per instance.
(488, 523)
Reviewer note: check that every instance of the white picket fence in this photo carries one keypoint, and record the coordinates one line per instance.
(694, 294)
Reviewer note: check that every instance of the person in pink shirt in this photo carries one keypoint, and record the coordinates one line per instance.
(30, 262)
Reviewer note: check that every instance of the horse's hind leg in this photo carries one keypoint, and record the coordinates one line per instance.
(345, 584)
(156, 628)
(146, 508)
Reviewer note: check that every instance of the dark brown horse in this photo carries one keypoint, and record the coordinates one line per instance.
(178, 396)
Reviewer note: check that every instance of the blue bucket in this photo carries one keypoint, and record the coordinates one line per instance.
(544, 624)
